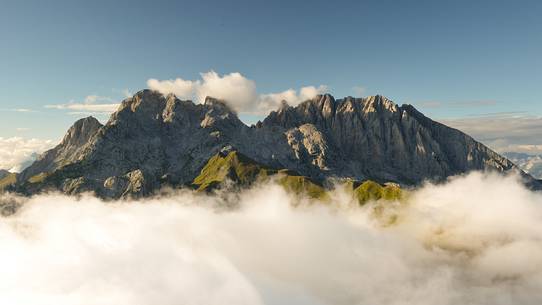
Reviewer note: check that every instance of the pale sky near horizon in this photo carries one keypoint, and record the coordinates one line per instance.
(456, 61)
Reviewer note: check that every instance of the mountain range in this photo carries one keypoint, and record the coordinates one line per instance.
(155, 140)
(532, 164)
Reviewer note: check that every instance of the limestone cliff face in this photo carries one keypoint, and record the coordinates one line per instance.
(375, 138)
(155, 140)
(66, 152)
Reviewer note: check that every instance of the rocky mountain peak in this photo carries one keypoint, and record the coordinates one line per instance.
(214, 102)
(283, 106)
(324, 103)
(77, 137)
(324, 109)
(81, 131)
(218, 114)
(218, 105)
(155, 139)
(379, 103)
(144, 102)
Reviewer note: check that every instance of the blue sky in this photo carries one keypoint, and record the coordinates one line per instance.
(450, 59)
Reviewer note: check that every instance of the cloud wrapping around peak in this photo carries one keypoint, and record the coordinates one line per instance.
(271, 101)
(234, 88)
(183, 89)
(17, 153)
(238, 91)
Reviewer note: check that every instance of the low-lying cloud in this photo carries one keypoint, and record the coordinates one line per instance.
(240, 92)
(474, 240)
(16, 153)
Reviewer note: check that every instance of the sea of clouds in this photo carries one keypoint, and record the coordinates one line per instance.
(17, 153)
(474, 240)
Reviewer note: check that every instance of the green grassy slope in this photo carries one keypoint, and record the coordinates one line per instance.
(8, 180)
(372, 191)
(224, 170)
(243, 171)
(235, 167)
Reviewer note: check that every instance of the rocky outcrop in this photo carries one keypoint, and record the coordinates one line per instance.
(155, 140)
(375, 138)
(3, 173)
(67, 151)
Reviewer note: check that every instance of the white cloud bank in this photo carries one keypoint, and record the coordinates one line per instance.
(239, 91)
(475, 240)
(17, 153)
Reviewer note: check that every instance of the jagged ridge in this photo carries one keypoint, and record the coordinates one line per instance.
(155, 140)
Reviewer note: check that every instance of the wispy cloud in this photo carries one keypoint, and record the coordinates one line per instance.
(18, 110)
(91, 99)
(477, 103)
(21, 110)
(503, 131)
(499, 114)
(91, 104)
(429, 104)
(240, 92)
(85, 107)
(127, 93)
(358, 90)
(456, 104)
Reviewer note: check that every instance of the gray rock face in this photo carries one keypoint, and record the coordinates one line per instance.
(77, 137)
(155, 140)
(3, 173)
(375, 138)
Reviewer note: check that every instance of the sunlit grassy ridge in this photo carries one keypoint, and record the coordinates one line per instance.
(233, 166)
(243, 171)
(232, 170)
(240, 170)
(372, 191)
(39, 178)
(303, 186)
(8, 180)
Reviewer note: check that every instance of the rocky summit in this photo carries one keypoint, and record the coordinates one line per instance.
(153, 141)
